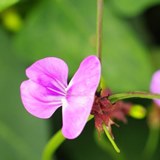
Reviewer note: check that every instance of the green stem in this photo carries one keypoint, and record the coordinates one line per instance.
(99, 27)
(111, 139)
(106, 146)
(53, 145)
(151, 144)
(90, 117)
(116, 97)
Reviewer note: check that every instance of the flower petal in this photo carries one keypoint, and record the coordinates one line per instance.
(86, 79)
(76, 111)
(80, 97)
(38, 100)
(155, 85)
(49, 72)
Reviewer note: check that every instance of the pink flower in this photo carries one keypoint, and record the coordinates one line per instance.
(155, 85)
(47, 90)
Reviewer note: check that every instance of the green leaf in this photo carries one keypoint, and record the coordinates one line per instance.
(156, 57)
(56, 28)
(131, 7)
(67, 29)
(22, 136)
(7, 3)
(126, 61)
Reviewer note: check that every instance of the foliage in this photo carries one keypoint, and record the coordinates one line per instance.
(6, 3)
(67, 29)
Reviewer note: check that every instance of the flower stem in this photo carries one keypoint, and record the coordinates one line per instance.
(111, 139)
(99, 27)
(53, 145)
(152, 143)
(116, 97)
(105, 145)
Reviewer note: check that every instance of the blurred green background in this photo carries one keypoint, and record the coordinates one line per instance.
(34, 29)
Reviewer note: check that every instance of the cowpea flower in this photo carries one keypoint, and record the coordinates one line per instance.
(46, 90)
(155, 85)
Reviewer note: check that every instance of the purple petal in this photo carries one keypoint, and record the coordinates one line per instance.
(86, 79)
(155, 85)
(80, 97)
(76, 111)
(49, 72)
(38, 100)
